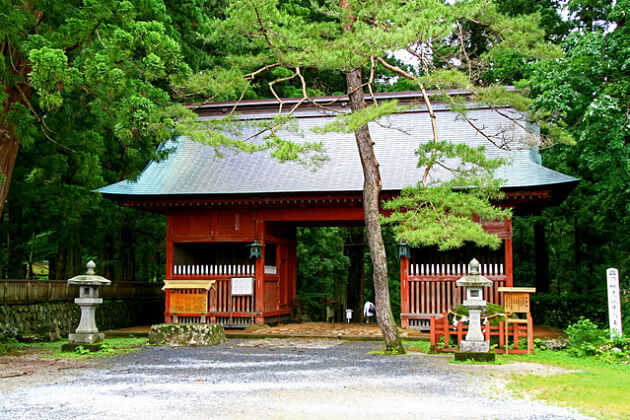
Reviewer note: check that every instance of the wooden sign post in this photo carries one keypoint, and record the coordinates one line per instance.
(614, 302)
(516, 301)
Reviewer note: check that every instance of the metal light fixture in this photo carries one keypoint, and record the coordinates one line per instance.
(403, 250)
(255, 249)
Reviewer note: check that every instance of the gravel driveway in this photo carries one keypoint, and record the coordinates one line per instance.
(277, 379)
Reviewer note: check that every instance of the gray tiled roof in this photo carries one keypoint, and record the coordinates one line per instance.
(195, 169)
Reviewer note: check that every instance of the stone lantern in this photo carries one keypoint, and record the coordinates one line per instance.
(474, 284)
(87, 334)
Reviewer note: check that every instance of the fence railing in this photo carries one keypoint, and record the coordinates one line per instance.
(431, 269)
(33, 291)
(445, 337)
(213, 269)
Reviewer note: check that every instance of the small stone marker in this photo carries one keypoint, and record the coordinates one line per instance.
(474, 343)
(86, 334)
(614, 302)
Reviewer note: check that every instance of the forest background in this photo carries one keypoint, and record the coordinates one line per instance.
(106, 72)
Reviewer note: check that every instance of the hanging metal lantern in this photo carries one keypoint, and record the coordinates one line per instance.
(403, 250)
(255, 249)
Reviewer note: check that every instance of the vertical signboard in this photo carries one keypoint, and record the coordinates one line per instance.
(614, 302)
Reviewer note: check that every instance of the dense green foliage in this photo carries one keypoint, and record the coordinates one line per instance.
(322, 269)
(87, 88)
(588, 91)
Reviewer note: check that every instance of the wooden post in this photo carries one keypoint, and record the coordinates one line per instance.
(167, 307)
(501, 338)
(509, 274)
(169, 259)
(460, 332)
(447, 332)
(530, 334)
(259, 306)
(432, 332)
(404, 291)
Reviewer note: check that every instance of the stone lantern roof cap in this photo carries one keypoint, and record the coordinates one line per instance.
(90, 278)
(474, 279)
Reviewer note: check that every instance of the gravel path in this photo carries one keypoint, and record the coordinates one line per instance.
(277, 379)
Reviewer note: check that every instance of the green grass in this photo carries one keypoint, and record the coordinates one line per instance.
(420, 346)
(112, 347)
(599, 389)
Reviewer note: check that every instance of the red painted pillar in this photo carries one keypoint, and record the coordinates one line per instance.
(167, 308)
(169, 272)
(509, 270)
(259, 305)
(404, 292)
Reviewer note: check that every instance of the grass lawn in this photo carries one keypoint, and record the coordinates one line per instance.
(111, 347)
(599, 389)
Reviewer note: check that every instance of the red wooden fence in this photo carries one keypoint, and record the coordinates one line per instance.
(432, 295)
(442, 330)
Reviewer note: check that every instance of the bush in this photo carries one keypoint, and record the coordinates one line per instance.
(584, 337)
(7, 344)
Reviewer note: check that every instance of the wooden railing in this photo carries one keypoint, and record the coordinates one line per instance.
(446, 337)
(34, 291)
(224, 303)
(428, 295)
(432, 289)
(427, 269)
(213, 270)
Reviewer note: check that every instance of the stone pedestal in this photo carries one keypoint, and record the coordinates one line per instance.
(474, 346)
(474, 341)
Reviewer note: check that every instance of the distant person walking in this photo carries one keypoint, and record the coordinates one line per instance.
(368, 311)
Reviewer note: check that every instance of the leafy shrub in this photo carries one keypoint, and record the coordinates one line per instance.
(550, 343)
(7, 344)
(584, 337)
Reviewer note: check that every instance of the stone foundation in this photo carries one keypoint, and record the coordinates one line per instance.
(186, 335)
(477, 357)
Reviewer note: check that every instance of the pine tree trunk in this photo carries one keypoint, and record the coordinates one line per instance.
(371, 189)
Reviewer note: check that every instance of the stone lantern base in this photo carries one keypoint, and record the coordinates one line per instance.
(462, 356)
(71, 347)
(86, 338)
(474, 346)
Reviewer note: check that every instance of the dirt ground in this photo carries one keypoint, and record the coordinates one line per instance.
(267, 378)
(31, 367)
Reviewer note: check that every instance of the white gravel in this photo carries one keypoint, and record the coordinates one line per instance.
(261, 380)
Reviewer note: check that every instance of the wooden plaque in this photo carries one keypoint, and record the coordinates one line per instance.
(516, 302)
(189, 303)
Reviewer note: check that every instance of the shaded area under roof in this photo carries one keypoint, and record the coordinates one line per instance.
(193, 169)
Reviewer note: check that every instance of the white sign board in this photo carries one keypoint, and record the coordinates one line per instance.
(614, 302)
(242, 286)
